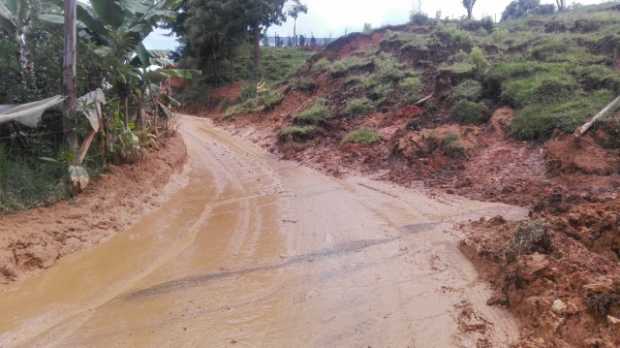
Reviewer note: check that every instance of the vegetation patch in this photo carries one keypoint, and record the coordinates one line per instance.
(469, 112)
(468, 90)
(342, 67)
(364, 136)
(305, 85)
(316, 114)
(297, 133)
(358, 106)
(452, 146)
(265, 100)
(540, 88)
(538, 121)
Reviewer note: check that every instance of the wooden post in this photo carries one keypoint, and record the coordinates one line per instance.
(69, 73)
(613, 106)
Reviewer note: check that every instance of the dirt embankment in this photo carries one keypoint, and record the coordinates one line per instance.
(571, 185)
(38, 238)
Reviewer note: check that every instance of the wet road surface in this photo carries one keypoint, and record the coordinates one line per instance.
(256, 252)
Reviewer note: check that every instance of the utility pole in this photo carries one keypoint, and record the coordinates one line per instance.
(69, 73)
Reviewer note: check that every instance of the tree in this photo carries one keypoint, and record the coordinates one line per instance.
(367, 28)
(302, 41)
(469, 6)
(260, 15)
(520, 8)
(561, 4)
(69, 63)
(16, 19)
(296, 9)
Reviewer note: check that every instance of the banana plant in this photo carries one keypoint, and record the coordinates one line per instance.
(16, 19)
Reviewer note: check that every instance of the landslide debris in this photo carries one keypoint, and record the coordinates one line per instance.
(488, 113)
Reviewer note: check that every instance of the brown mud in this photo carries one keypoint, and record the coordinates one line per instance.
(256, 251)
(37, 239)
(572, 184)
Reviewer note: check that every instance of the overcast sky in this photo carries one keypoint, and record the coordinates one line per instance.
(333, 17)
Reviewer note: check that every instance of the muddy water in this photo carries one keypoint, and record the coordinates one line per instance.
(255, 252)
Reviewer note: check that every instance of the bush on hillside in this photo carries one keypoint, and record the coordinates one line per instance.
(452, 146)
(469, 112)
(468, 90)
(419, 18)
(411, 88)
(358, 107)
(315, 114)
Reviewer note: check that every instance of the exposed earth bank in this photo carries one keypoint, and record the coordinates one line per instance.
(36, 239)
(571, 186)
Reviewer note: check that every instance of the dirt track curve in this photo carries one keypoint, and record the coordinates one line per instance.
(256, 252)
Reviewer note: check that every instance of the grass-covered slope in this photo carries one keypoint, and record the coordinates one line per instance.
(555, 71)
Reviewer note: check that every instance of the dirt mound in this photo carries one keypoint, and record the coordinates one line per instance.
(568, 154)
(38, 238)
(345, 46)
(564, 294)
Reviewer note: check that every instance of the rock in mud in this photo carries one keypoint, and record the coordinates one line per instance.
(559, 307)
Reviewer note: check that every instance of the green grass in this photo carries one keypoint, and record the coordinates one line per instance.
(358, 107)
(539, 121)
(315, 114)
(468, 90)
(543, 88)
(30, 181)
(264, 101)
(364, 136)
(469, 112)
(279, 64)
(297, 133)
(344, 66)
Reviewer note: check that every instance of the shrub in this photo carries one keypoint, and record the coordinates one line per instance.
(315, 114)
(362, 136)
(412, 88)
(264, 101)
(479, 60)
(468, 90)
(380, 92)
(388, 69)
(358, 106)
(452, 146)
(453, 38)
(419, 18)
(248, 92)
(297, 133)
(538, 121)
(270, 99)
(469, 112)
(322, 64)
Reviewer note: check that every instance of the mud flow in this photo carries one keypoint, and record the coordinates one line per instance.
(256, 252)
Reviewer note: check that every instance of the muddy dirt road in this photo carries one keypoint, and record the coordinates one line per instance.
(256, 252)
